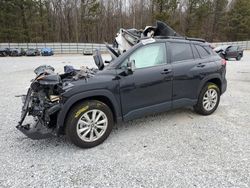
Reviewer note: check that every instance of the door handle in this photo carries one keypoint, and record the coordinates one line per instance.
(201, 65)
(166, 71)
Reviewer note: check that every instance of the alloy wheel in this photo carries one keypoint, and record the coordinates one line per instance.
(210, 99)
(92, 125)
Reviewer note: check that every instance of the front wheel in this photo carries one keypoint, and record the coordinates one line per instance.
(89, 123)
(208, 100)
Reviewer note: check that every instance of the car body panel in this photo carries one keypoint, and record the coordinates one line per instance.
(136, 92)
(146, 90)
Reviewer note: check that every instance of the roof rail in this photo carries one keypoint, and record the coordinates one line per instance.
(183, 38)
(196, 39)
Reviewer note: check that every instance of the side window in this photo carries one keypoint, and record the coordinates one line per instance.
(202, 51)
(181, 51)
(196, 54)
(209, 49)
(232, 48)
(149, 55)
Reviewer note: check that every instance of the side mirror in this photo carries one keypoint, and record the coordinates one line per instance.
(131, 66)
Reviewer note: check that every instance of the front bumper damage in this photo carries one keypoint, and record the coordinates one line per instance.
(43, 101)
(37, 129)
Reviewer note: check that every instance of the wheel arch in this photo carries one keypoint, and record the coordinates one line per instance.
(216, 79)
(101, 95)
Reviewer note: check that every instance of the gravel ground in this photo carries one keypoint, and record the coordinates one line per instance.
(173, 149)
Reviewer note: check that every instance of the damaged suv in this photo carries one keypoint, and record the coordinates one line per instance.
(154, 75)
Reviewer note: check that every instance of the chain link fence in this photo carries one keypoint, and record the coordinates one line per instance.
(78, 48)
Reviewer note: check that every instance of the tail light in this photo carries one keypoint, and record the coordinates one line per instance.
(223, 62)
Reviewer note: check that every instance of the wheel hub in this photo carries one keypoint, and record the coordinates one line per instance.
(210, 99)
(92, 125)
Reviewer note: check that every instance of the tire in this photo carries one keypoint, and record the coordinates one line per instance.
(238, 58)
(208, 103)
(79, 128)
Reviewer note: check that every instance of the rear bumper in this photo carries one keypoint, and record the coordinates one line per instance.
(47, 53)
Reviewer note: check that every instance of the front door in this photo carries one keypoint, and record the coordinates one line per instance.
(149, 88)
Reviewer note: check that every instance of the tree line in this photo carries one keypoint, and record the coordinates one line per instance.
(100, 20)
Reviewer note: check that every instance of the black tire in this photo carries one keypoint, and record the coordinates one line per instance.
(76, 114)
(4, 54)
(238, 58)
(199, 107)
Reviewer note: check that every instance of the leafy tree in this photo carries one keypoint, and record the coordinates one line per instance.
(238, 21)
(99, 20)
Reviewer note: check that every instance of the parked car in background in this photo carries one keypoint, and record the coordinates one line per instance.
(14, 52)
(4, 52)
(47, 52)
(32, 52)
(88, 51)
(229, 51)
(23, 51)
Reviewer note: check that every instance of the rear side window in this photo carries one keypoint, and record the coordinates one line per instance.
(181, 52)
(209, 49)
(196, 54)
(232, 48)
(202, 51)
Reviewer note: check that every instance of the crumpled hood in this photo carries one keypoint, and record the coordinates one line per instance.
(101, 80)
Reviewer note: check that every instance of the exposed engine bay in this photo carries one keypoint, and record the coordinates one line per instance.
(43, 100)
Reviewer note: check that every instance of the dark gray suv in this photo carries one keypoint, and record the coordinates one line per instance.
(156, 75)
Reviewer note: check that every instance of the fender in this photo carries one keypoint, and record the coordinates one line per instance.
(206, 79)
(80, 96)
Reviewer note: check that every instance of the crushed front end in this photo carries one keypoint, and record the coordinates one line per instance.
(43, 101)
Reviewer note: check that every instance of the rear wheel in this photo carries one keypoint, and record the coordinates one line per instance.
(238, 58)
(209, 99)
(89, 123)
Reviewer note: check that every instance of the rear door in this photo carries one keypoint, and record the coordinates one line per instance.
(185, 73)
(207, 60)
